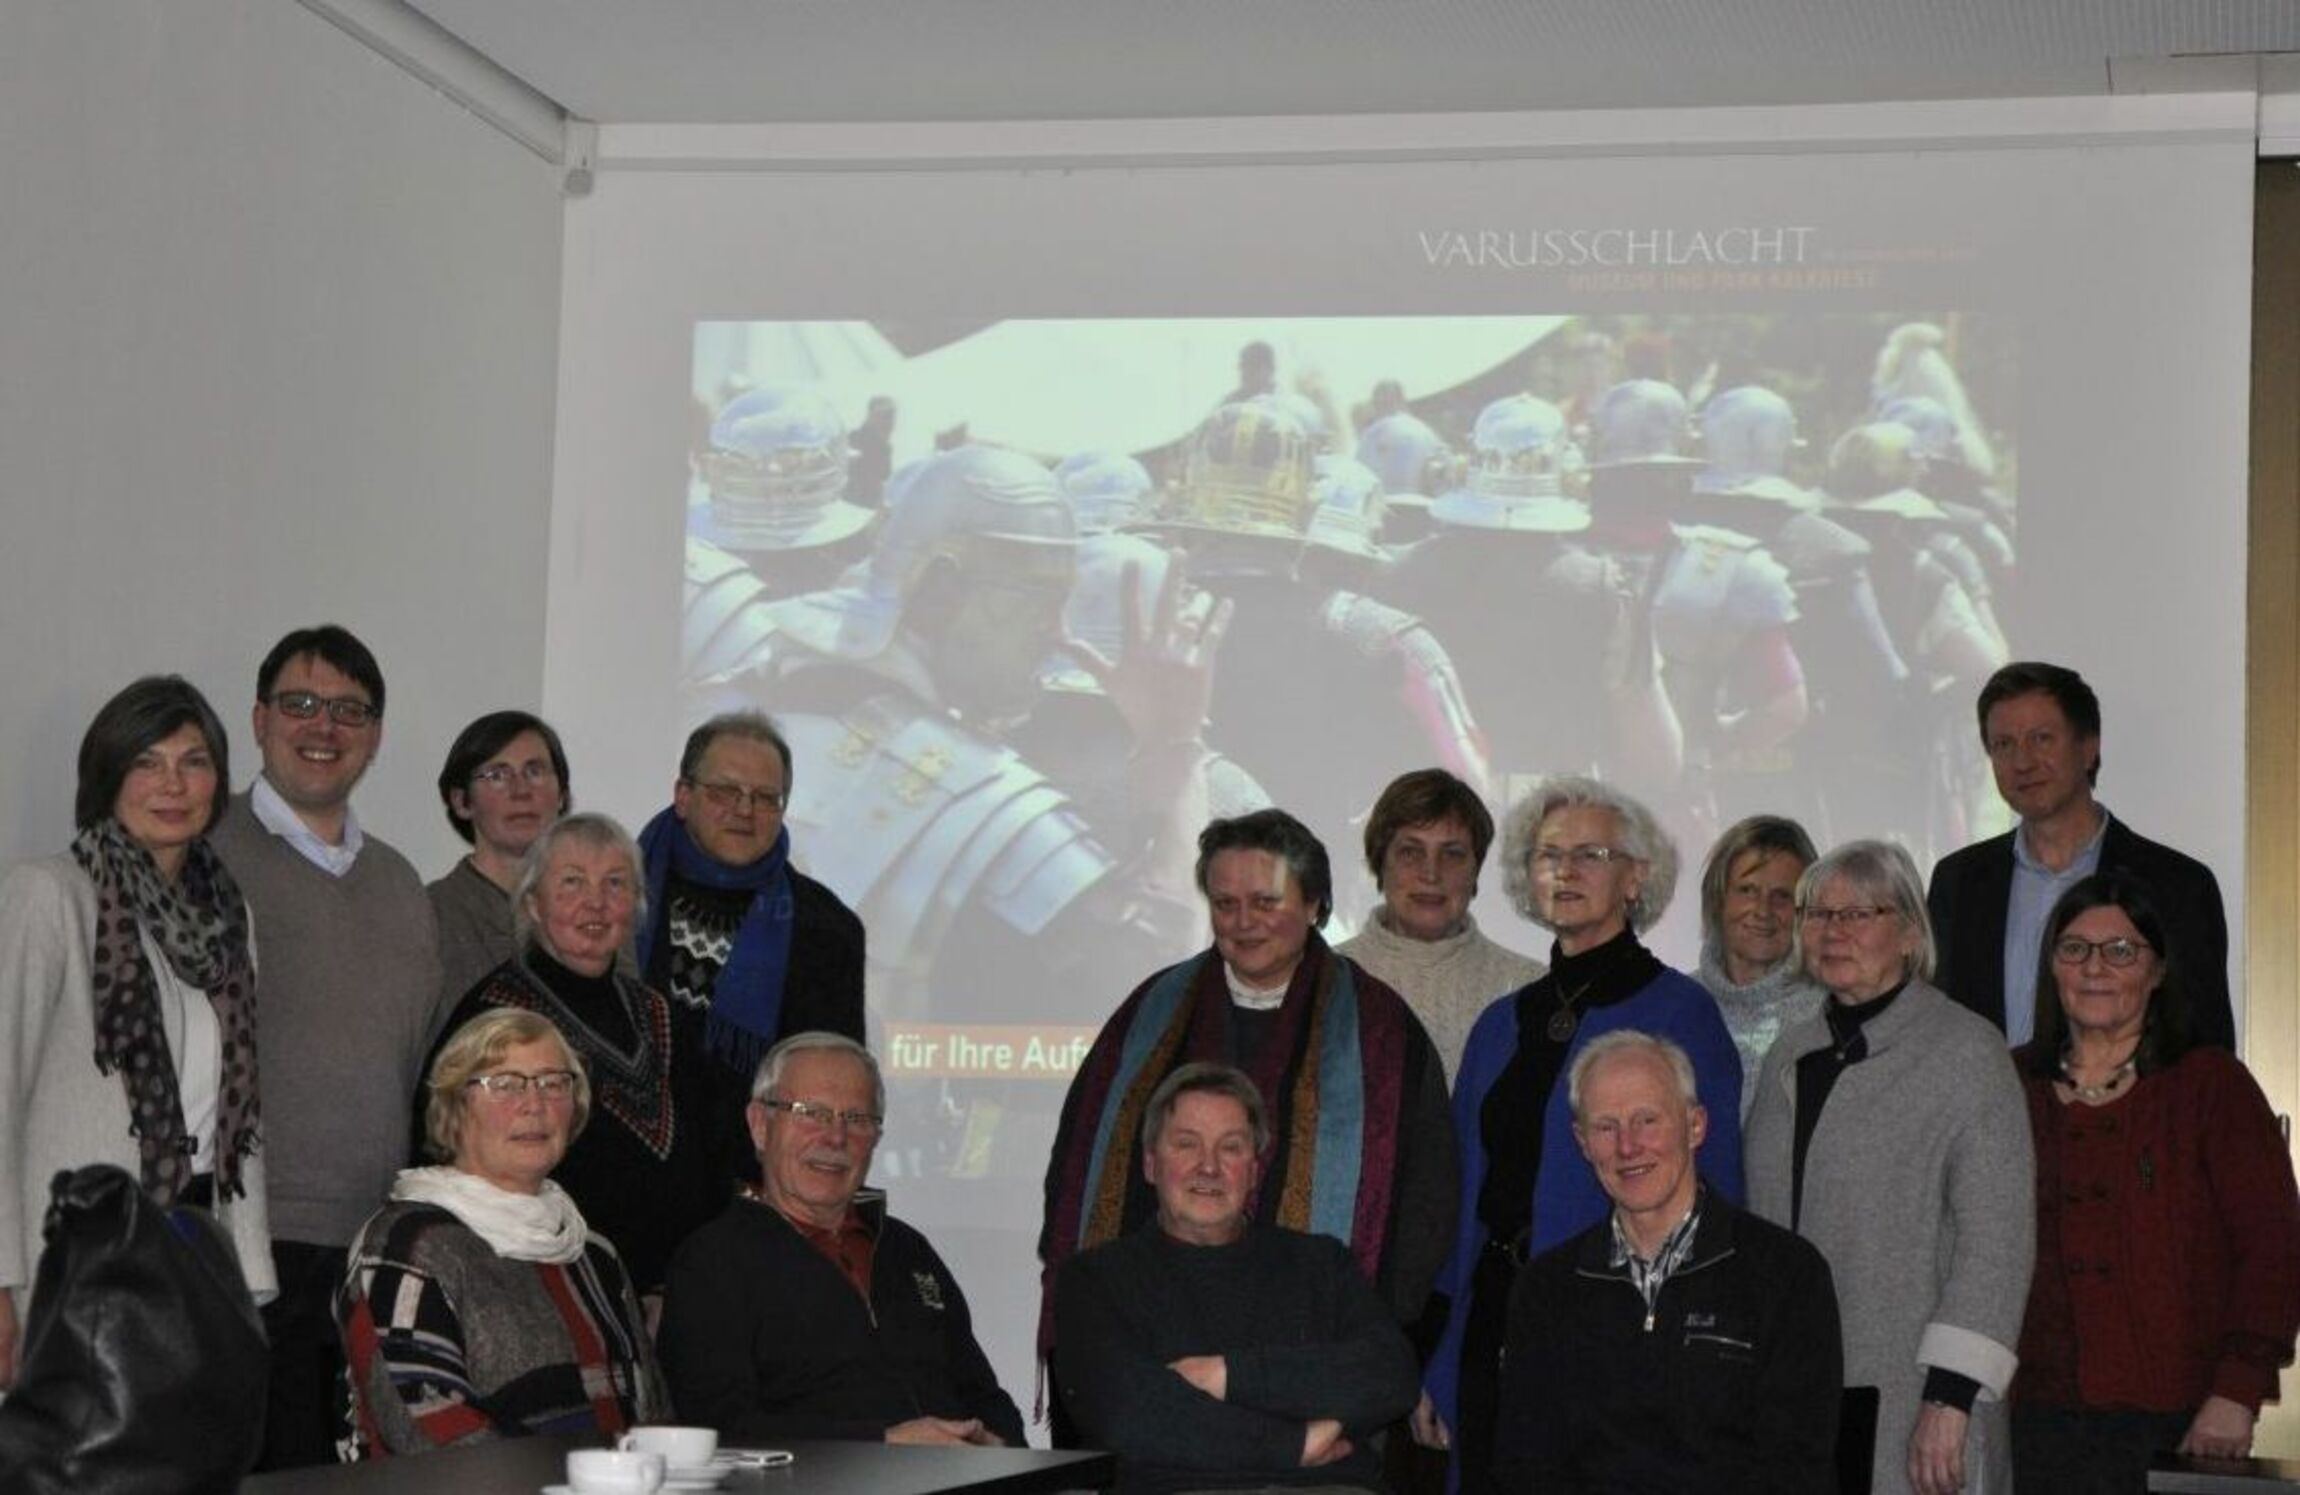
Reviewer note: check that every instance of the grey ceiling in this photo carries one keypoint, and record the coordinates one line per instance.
(849, 60)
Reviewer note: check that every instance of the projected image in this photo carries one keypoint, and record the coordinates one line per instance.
(1033, 599)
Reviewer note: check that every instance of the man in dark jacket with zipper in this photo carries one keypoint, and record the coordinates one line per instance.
(1682, 1345)
(806, 1311)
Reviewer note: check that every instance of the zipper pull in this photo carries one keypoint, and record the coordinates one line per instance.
(1649, 1319)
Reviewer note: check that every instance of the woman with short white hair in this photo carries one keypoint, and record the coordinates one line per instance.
(1591, 865)
(1891, 1132)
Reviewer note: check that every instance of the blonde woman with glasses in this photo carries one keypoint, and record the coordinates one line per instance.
(479, 1303)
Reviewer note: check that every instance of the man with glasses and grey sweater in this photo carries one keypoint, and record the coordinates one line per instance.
(347, 991)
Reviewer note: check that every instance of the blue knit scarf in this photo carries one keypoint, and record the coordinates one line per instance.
(747, 999)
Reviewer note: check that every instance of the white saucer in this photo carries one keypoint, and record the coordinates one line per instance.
(697, 1476)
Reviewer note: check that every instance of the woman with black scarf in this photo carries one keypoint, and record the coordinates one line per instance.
(1588, 863)
(127, 976)
(644, 1171)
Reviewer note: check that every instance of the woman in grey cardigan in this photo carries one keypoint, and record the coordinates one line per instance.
(1890, 1131)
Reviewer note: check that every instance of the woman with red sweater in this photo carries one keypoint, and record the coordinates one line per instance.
(2167, 1285)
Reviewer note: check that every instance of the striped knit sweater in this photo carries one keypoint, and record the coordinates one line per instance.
(450, 1343)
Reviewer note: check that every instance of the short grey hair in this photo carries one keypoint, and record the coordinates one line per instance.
(1630, 1040)
(584, 828)
(1882, 871)
(1641, 836)
(769, 1077)
(1204, 1077)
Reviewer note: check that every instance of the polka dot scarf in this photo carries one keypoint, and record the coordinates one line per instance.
(200, 924)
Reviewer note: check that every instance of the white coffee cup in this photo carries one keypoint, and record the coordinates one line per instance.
(681, 1448)
(611, 1471)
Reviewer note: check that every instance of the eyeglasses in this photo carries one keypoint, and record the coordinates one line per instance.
(303, 705)
(732, 797)
(1585, 858)
(1852, 920)
(510, 1084)
(2118, 952)
(501, 775)
(808, 1113)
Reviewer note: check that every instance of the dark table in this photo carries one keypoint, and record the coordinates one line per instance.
(2172, 1472)
(522, 1466)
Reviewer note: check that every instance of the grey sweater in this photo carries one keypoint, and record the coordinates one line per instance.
(345, 1009)
(474, 918)
(1920, 1190)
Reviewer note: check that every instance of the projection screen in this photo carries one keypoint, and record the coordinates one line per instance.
(2056, 325)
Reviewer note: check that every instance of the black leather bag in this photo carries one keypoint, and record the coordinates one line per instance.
(142, 1364)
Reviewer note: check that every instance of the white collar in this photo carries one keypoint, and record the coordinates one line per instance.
(276, 815)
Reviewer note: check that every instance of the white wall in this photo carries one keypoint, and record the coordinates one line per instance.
(278, 342)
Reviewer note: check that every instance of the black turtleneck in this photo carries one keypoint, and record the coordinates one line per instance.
(1817, 1075)
(1510, 1122)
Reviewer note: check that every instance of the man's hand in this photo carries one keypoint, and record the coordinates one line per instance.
(2222, 1430)
(1937, 1450)
(936, 1430)
(1323, 1443)
(1162, 681)
(1209, 1373)
(1428, 1428)
(7, 1340)
(985, 1438)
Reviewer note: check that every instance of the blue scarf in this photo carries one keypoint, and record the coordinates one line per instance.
(747, 999)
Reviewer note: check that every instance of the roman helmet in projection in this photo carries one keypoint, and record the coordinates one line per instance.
(1247, 473)
(776, 470)
(1747, 435)
(1523, 465)
(1107, 491)
(1639, 423)
(1410, 456)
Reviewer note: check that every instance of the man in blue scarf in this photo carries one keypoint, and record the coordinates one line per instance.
(748, 950)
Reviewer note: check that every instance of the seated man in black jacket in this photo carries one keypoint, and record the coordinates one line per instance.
(807, 1312)
(1209, 1352)
(1681, 1345)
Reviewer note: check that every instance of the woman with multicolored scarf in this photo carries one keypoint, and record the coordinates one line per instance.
(127, 984)
(1362, 1145)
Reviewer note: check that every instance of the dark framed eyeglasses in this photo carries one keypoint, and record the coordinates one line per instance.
(1852, 919)
(2119, 952)
(303, 705)
(732, 797)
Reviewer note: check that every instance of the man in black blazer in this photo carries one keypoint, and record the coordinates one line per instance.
(2040, 724)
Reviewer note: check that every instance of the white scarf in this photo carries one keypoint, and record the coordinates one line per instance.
(543, 1226)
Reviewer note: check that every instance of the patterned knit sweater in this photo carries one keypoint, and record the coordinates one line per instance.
(451, 1343)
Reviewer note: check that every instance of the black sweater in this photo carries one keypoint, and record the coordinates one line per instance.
(763, 1339)
(1304, 1335)
(1731, 1388)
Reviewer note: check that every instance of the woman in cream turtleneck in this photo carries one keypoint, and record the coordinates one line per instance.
(1426, 842)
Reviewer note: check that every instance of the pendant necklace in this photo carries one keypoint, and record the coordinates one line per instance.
(1564, 1020)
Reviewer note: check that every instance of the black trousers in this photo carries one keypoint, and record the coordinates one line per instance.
(2063, 1451)
(304, 1406)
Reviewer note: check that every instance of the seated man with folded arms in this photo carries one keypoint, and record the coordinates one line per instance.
(1680, 1345)
(806, 1311)
(1209, 1352)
